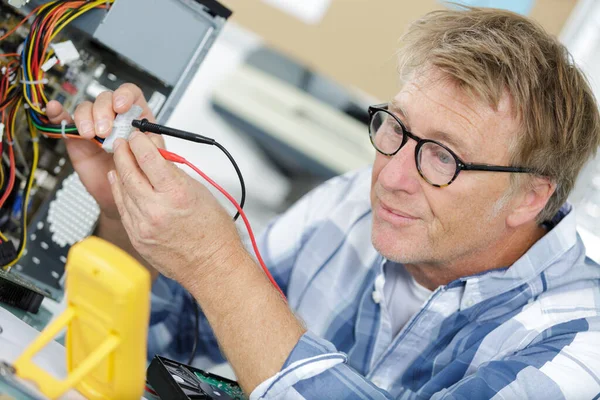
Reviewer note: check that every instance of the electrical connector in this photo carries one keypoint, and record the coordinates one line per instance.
(7, 252)
(18, 3)
(122, 127)
(66, 52)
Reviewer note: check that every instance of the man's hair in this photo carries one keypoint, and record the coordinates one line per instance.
(490, 52)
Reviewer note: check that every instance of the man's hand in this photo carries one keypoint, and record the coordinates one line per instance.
(176, 224)
(173, 221)
(96, 119)
(92, 163)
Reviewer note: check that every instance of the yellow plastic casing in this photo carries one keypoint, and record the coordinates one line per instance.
(108, 307)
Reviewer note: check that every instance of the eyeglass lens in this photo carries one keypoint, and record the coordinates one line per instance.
(435, 163)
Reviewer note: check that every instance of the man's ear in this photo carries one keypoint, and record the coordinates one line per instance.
(531, 200)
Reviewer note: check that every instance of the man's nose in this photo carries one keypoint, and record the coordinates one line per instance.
(400, 172)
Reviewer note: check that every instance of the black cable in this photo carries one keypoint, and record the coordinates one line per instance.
(145, 126)
(196, 331)
(239, 174)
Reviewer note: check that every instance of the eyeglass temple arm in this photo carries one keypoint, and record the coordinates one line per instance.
(495, 168)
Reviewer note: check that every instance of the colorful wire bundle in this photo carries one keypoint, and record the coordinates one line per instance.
(22, 86)
(50, 20)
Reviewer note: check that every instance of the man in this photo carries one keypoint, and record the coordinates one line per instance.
(459, 276)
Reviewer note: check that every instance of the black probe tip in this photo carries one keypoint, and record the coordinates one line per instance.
(136, 123)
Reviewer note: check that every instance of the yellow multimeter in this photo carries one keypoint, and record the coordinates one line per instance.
(108, 308)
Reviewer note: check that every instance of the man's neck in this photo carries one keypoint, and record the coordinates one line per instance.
(502, 254)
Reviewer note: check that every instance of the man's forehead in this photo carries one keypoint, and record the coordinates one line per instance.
(438, 85)
(454, 133)
(453, 115)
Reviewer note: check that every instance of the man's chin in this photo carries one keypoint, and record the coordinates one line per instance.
(400, 251)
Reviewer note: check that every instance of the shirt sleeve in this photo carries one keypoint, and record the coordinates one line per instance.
(565, 366)
(172, 321)
(316, 370)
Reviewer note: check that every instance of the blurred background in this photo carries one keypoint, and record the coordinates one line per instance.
(287, 83)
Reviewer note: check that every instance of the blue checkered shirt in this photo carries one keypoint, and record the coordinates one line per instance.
(528, 331)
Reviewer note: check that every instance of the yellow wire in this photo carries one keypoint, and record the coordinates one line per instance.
(34, 103)
(29, 77)
(14, 120)
(34, 165)
(61, 24)
(86, 8)
(4, 239)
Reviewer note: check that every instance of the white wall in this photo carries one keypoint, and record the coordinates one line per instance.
(266, 188)
(581, 35)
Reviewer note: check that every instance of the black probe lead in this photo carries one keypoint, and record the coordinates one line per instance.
(146, 126)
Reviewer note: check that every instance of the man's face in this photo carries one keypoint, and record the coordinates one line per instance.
(414, 222)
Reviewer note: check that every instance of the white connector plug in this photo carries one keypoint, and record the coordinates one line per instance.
(122, 127)
(18, 3)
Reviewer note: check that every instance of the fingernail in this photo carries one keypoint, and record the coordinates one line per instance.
(112, 176)
(86, 127)
(102, 126)
(134, 134)
(120, 101)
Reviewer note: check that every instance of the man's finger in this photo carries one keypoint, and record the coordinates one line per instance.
(120, 197)
(158, 140)
(159, 171)
(103, 114)
(134, 182)
(127, 95)
(84, 120)
(56, 113)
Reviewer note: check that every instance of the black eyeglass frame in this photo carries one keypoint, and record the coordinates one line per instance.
(460, 164)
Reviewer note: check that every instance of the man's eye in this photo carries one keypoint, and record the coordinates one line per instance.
(444, 157)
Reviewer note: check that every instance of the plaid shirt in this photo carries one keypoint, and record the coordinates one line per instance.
(528, 331)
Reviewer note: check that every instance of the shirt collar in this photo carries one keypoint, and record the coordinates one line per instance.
(553, 246)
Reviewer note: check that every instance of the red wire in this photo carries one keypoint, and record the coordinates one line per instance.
(178, 159)
(150, 390)
(11, 179)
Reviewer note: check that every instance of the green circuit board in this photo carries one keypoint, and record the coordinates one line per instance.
(231, 389)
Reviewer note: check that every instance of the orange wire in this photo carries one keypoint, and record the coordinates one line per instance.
(5, 84)
(48, 25)
(70, 136)
(51, 22)
(6, 105)
(9, 55)
(11, 156)
(7, 34)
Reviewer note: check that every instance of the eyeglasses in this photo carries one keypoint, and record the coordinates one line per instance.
(436, 163)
